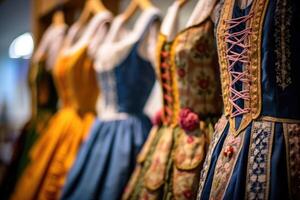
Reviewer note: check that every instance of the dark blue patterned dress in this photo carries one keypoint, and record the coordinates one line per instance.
(255, 152)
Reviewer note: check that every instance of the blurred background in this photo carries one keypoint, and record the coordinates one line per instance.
(16, 47)
(22, 23)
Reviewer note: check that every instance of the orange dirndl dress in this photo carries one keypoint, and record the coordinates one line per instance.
(54, 153)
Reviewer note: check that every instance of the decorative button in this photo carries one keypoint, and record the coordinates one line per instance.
(228, 152)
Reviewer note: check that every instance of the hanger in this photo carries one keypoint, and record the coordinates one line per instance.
(182, 2)
(91, 7)
(134, 5)
(58, 18)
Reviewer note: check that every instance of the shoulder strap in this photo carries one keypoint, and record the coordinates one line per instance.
(146, 22)
(170, 22)
(201, 12)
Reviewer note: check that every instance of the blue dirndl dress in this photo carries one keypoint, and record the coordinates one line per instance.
(107, 159)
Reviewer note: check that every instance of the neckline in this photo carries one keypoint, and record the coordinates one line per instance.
(184, 30)
(118, 24)
(79, 43)
(173, 13)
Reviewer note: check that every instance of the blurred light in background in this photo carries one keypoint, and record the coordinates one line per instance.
(22, 46)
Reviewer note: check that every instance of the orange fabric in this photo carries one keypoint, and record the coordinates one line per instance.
(54, 153)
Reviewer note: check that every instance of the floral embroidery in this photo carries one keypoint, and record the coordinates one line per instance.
(188, 120)
(202, 49)
(132, 182)
(185, 183)
(225, 165)
(258, 172)
(155, 175)
(292, 136)
(197, 70)
(189, 150)
(150, 141)
(148, 195)
(219, 129)
(282, 34)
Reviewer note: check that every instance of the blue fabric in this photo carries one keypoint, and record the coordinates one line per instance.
(237, 184)
(214, 158)
(134, 83)
(279, 181)
(106, 161)
(275, 99)
(236, 187)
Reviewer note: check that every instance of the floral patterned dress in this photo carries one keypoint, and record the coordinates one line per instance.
(255, 150)
(168, 167)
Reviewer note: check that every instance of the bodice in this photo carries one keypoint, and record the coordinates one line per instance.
(74, 72)
(127, 81)
(126, 88)
(189, 72)
(76, 81)
(258, 59)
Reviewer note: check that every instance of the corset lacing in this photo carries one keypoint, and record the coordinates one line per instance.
(166, 85)
(238, 39)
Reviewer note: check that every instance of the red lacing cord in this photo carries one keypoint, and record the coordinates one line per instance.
(238, 39)
(166, 85)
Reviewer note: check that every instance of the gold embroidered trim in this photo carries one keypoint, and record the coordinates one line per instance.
(286, 139)
(281, 120)
(292, 143)
(256, 23)
(175, 90)
(160, 43)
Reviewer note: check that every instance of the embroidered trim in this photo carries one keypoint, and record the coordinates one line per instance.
(259, 158)
(176, 103)
(292, 140)
(185, 183)
(189, 150)
(256, 25)
(166, 78)
(282, 34)
(219, 129)
(275, 119)
(155, 175)
(147, 146)
(225, 165)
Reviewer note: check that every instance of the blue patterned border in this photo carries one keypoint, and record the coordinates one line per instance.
(258, 170)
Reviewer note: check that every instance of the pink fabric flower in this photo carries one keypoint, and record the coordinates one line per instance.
(188, 120)
(157, 119)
